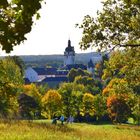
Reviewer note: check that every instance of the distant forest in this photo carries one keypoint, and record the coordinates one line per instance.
(53, 60)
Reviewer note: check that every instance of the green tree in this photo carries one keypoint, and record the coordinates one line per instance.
(27, 106)
(16, 19)
(19, 62)
(136, 109)
(89, 83)
(72, 98)
(77, 72)
(117, 25)
(11, 82)
(100, 107)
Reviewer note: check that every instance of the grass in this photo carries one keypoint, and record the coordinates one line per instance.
(44, 130)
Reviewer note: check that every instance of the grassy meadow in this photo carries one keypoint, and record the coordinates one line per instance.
(44, 130)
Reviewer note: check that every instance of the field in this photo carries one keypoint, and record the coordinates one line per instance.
(44, 130)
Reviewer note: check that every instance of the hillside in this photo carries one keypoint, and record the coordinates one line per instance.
(53, 60)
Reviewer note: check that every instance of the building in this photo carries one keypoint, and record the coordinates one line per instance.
(53, 76)
(69, 54)
(90, 66)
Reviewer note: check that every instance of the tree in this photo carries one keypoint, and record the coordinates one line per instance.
(16, 19)
(27, 106)
(11, 82)
(88, 108)
(136, 109)
(72, 97)
(33, 91)
(118, 109)
(117, 25)
(89, 83)
(100, 107)
(19, 62)
(52, 102)
(77, 72)
(124, 65)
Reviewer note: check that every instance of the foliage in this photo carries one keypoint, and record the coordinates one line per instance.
(52, 103)
(72, 98)
(117, 86)
(91, 85)
(118, 108)
(27, 106)
(100, 107)
(10, 86)
(16, 19)
(117, 25)
(125, 64)
(32, 90)
(88, 108)
(77, 72)
(19, 62)
(136, 109)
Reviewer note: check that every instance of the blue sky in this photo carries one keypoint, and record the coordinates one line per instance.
(51, 32)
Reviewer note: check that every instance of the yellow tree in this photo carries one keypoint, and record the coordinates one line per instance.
(52, 103)
(88, 106)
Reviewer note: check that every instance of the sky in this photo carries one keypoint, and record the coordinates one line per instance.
(51, 32)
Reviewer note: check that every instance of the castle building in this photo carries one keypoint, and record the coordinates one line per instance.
(69, 55)
(90, 66)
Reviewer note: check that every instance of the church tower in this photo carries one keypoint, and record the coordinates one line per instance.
(69, 54)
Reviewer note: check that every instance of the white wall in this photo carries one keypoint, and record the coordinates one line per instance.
(31, 74)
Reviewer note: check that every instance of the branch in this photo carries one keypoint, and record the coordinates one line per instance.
(130, 45)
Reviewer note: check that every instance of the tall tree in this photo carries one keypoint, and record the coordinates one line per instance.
(117, 25)
(10, 85)
(16, 19)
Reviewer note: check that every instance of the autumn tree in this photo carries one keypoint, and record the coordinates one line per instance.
(118, 109)
(11, 82)
(124, 65)
(16, 19)
(52, 103)
(117, 25)
(88, 108)
(33, 92)
(120, 100)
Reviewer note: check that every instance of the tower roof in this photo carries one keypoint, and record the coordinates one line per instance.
(69, 48)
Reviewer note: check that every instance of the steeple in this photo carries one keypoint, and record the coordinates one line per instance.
(69, 54)
(69, 43)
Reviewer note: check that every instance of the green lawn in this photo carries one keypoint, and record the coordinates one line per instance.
(44, 130)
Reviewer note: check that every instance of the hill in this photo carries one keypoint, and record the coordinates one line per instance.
(53, 60)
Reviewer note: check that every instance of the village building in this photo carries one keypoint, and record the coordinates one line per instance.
(53, 76)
